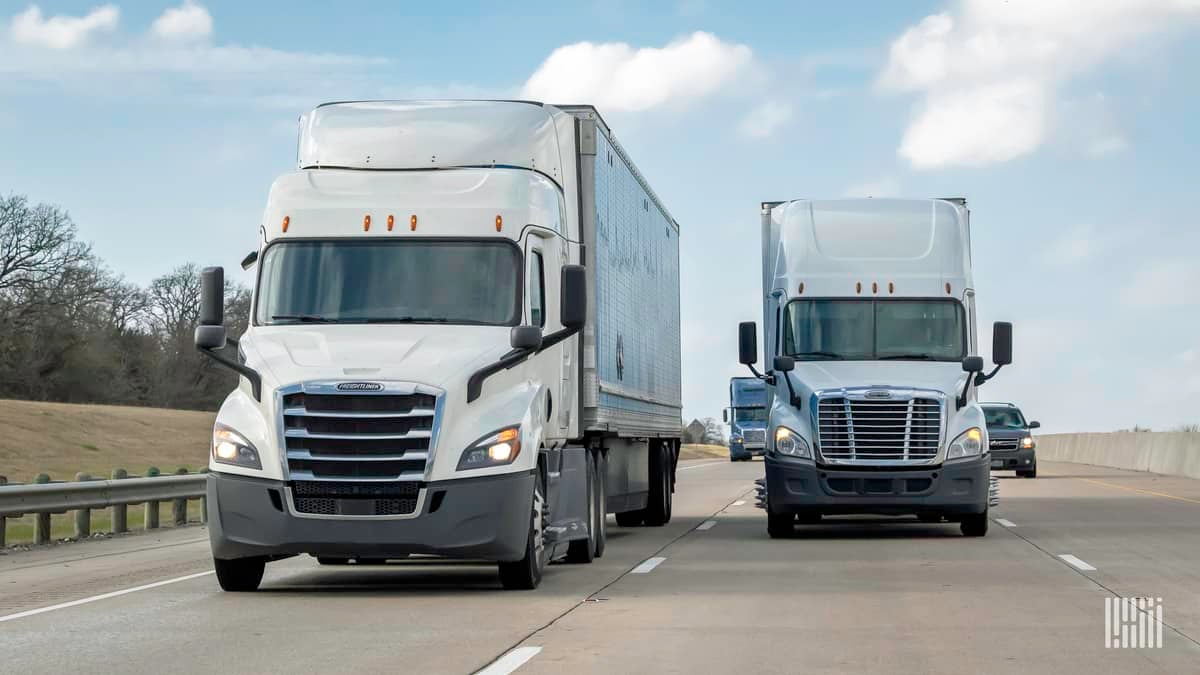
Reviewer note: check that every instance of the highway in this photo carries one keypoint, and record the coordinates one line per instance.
(707, 593)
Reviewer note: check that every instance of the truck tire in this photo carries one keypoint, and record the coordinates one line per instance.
(658, 506)
(631, 518)
(525, 574)
(240, 575)
(326, 560)
(582, 551)
(780, 525)
(601, 503)
(974, 524)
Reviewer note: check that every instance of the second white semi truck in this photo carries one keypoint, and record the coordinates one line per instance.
(870, 343)
(464, 342)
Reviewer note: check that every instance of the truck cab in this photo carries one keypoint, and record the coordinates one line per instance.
(871, 367)
(747, 418)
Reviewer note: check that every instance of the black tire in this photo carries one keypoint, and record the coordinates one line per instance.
(975, 524)
(370, 561)
(1032, 473)
(658, 506)
(582, 551)
(525, 574)
(631, 518)
(326, 560)
(780, 525)
(601, 503)
(809, 518)
(241, 575)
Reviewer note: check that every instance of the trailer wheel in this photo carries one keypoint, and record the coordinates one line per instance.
(658, 506)
(582, 551)
(631, 518)
(240, 575)
(526, 573)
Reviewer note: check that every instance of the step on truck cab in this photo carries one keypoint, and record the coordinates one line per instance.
(869, 336)
(423, 372)
(747, 418)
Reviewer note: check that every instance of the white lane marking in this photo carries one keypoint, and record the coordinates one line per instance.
(1076, 562)
(697, 466)
(740, 502)
(648, 565)
(1006, 522)
(511, 661)
(707, 525)
(103, 596)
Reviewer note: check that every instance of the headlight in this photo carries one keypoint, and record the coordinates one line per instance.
(230, 447)
(736, 438)
(495, 449)
(968, 444)
(788, 442)
(1027, 442)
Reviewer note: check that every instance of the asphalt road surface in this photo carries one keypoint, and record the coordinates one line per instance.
(707, 593)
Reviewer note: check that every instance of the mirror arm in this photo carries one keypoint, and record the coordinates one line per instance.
(980, 378)
(236, 366)
(769, 379)
(512, 358)
(555, 338)
(796, 402)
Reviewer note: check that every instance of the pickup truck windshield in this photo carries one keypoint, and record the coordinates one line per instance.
(473, 283)
(869, 330)
(1003, 418)
(749, 415)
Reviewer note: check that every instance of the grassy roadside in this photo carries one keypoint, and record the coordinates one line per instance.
(696, 451)
(62, 526)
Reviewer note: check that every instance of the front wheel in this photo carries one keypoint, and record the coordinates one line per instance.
(526, 573)
(1032, 473)
(780, 525)
(974, 524)
(240, 575)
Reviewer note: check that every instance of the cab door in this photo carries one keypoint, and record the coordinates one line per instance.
(543, 260)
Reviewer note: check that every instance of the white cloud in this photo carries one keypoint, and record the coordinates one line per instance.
(1107, 145)
(1163, 283)
(764, 120)
(615, 76)
(62, 32)
(989, 71)
(884, 187)
(188, 21)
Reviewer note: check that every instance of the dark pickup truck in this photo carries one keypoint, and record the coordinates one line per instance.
(1010, 440)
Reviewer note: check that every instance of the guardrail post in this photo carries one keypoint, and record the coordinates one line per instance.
(120, 512)
(41, 521)
(83, 517)
(151, 520)
(179, 510)
(3, 520)
(204, 501)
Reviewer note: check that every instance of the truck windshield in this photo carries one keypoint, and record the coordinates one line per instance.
(474, 283)
(869, 330)
(1004, 418)
(749, 415)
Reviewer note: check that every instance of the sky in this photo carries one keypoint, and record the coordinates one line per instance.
(1070, 127)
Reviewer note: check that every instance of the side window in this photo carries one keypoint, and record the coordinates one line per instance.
(537, 291)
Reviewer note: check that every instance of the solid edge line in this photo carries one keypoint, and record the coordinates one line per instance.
(1076, 562)
(648, 565)
(697, 466)
(511, 661)
(103, 596)
(706, 525)
(1145, 492)
(1005, 522)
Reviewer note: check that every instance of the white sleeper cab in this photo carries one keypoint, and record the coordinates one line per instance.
(423, 372)
(870, 343)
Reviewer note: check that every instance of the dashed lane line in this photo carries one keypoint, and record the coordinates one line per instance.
(706, 525)
(648, 565)
(1076, 562)
(1006, 522)
(511, 661)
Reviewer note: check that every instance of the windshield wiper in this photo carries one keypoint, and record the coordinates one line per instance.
(908, 357)
(303, 318)
(819, 354)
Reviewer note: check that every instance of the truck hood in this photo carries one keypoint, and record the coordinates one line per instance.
(811, 376)
(426, 354)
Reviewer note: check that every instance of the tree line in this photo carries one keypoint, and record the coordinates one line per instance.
(71, 330)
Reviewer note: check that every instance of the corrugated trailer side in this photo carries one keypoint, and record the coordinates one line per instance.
(631, 346)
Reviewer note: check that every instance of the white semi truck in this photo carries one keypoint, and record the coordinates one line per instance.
(870, 342)
(423, 372)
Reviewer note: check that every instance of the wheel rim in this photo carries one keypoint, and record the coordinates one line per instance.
(539, 536)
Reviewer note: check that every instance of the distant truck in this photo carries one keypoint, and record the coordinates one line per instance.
(746, 417)
(423, 372)
(1010, 439)
(869, 315)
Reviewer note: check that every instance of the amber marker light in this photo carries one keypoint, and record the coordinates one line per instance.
(366, 222)
(499, 222)
(286, 220)
(391, 221)
(412, 222)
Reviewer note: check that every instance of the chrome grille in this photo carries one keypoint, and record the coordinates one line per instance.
(1004, 444)
(357, 436)
(867, 430)
(754, 436)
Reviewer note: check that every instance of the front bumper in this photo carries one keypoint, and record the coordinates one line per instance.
(950, 489)
(479, 518)
(1014, 460)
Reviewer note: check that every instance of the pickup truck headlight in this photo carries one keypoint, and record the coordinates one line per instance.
(789, 443)
(1027, 443)
(495, 449)
(968, 444)
(230, 447)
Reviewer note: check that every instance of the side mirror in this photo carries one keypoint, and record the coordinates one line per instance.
(785, 364)
(525, 337)
(725, 415)
(972, 364)
(1035, 425)
(573, 299)
(748, 343)
(1001, 343)
(210, 334)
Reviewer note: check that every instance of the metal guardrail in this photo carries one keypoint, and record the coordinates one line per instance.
(44, 498)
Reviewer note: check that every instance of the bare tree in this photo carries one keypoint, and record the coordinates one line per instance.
(37, 244)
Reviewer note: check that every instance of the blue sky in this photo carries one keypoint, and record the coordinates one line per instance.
(1069, 126)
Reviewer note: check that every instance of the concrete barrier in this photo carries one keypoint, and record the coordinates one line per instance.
(1169, 452)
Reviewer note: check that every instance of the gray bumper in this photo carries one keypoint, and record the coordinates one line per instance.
(1018, 460)
(950, 489)
(479, 518)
